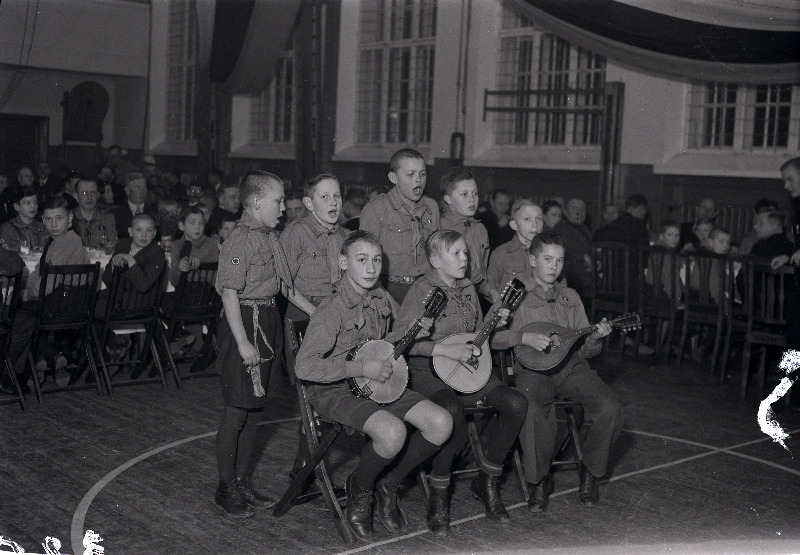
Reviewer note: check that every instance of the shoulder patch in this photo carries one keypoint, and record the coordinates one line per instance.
(235, 260)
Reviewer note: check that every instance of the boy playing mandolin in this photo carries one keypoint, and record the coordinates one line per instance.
(447, 253)
(360, 311)
(548, 301)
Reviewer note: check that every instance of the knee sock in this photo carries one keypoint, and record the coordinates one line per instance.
(442, 463)
(512, 407)
(247, 441)
(233, 420)
(416, 452)
(369, 466)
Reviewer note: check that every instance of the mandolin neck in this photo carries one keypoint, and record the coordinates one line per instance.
(406, 340)
(488, 328)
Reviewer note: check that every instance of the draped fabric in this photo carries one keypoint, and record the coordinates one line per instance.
(750, 41)
(240, 41)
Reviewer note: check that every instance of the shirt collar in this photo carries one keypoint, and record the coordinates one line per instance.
(316, 227)
(532, 286)
(432, 276)
(247, 220)
(396, 200)
(135, 207)
(455, 219)
(515, 244)
(19, 223)
(351, 297)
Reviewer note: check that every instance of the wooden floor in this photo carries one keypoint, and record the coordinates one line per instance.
(691, 473)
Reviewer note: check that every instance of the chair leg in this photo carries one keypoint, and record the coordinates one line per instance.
(717, 343)
(682, 342)
(761, 376)
(37, 387)
(12, 374)
(170, 360)
(726, 352)
(523, 484)
(98, 348)
(745, 367)
(157, 361)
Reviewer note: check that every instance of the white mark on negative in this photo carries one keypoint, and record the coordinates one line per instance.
(790, 363)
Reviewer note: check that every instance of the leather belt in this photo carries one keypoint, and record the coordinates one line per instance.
(408, 280)
(268, 301)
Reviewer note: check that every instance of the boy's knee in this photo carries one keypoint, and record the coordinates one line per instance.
(440, 426)
(391, 437)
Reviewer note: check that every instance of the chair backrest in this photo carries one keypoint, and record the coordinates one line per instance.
(73, 292)
(126, 302)
(615, 276)
(767, 291)
(658, 286)
(196, 294)
(10, 291)
(293, 333)
(703, 276)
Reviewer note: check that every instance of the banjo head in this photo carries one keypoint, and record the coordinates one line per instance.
(391, 389)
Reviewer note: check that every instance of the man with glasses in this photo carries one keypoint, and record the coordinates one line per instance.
(97, 229)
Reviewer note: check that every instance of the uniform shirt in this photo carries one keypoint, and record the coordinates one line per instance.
(558, 305)
(65, 250)
(340, 323)
(477, 242)
(389, 217)
(149, 262)
(96, 233)
(312, 251)
(509, 260)
(247, 262)
(204, 248)
(462, 313)
(14, 231)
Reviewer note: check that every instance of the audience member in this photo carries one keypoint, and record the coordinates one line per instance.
(24, 231)
(227, 226)
(107, 196)
(577, 247)
(229, 203)
(553, 212)
(97, 229)
(354, 202)
(118, 160)
(630, 227)
(772, 241)
(700, 235)
(149, 167)
(70, 190)
(751, 237)
(136, 194)
(214, 180)
(295, 209)
(138, 254)
(610, 213)
(25, 178)
(706, 210)
(790, 174)
(496, 219)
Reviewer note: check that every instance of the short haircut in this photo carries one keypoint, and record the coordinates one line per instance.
(22, 192)
(401, 155)
(500, 191)
(545, 238)
(134, 176)
(766, 205)
(230, 185)
(453, 177)
(55, 202)
(551, 204)
(703, 221)
(717, 231)
(254, 183)
(793, 163)
(143, 216)
(635, 201)
(355, 237)
(84, 180)
(356, 197)
(519, 204)
(311, 183)
(228, 217)
(666, 224)
(188, 211)
(774, 216)
(440, 241)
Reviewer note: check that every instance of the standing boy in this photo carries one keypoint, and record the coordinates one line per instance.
(360, 311)
(402, 220)
(548, 301)
(252, 271)
(510, 259)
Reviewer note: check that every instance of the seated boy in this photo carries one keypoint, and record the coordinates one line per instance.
(771, 241)
(228, 223)
(24, 230)
(447, 252)
(359, 311)
(312, 244)
(548, 301)
(510, 259)
(669, 237)
(142, 258)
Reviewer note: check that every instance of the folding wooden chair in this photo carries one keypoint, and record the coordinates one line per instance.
(658, 295)
(67, 296)
(735, 310)
(318, 442)
(767, 291)
(10, 290)
(129, 310)
(196, 302)
(573, 418)
(703, 296)
(615, 282)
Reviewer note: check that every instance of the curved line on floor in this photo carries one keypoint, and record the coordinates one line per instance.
(79, 516)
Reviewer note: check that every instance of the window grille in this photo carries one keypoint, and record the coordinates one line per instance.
(181, 59)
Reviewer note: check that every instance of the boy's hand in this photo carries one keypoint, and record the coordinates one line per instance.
(118, 260)
(795, 258)
(603, 329)
(504, 312)
(194, 263)
(461, 352)
(425, 327)
(184, 265)
(248, 353)
(779, 261)
(378, 370)
(538, 341)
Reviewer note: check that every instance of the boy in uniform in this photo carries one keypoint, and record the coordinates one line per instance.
(359, 311)
(252, 270)
(447, 253)
(25, 226)
(460, 194)
(548, 301)
(402, 220)
(510, 259)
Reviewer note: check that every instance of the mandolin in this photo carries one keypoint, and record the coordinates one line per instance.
(563, 342)
(378, 349)
(471, 376)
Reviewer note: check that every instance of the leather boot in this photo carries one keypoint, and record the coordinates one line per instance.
(588, 492)
(484, 487)
(387, 508)
(359, 509)
(539, 499)
(230, 501)
(438, 518)
(251, 496)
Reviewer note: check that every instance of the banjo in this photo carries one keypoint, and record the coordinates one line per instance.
(471, 376)
(378, 349)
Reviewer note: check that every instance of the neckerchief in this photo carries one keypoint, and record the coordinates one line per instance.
(418, 232)
(281, 263)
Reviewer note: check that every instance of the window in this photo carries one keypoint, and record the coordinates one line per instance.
(272, 111)
(758, 118)
(396, 57)
(538, 70)
(181, 57)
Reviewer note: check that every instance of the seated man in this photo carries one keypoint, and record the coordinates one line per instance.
(97, 229)
(547, 301)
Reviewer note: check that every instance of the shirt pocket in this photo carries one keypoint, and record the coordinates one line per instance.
(397, 239)
(314, 266)
(262, 266)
